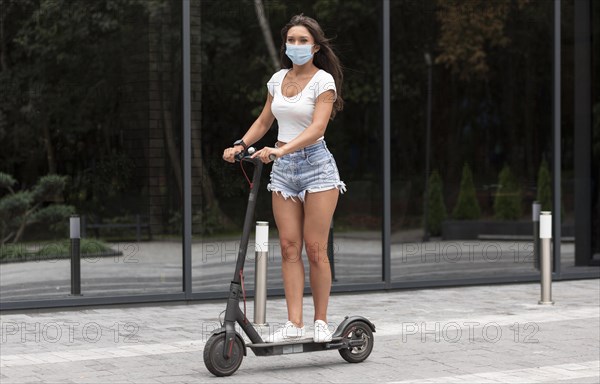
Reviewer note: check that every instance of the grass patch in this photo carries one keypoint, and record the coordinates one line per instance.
(55, 250)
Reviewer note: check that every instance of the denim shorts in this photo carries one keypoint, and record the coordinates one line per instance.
(310, 169)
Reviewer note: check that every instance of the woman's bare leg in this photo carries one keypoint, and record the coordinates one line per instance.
(289, 217)
(318, 212)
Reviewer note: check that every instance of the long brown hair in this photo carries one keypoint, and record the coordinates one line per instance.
(324, 58)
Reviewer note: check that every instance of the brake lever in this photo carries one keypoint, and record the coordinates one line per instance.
(246, 155)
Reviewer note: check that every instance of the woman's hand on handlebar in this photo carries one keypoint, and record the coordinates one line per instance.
(229, 153)
(268, 154)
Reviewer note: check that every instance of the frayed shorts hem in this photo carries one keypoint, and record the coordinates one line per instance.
(301, 195)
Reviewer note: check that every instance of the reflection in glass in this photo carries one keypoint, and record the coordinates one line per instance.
(92, 94)
(233, 96)
(490, 142)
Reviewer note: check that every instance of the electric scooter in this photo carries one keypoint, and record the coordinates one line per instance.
(225, 349)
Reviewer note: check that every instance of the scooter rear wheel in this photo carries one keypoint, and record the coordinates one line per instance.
(358, 330)
(215, 360)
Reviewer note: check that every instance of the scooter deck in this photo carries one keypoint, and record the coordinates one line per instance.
(296, 346)
(306, 340)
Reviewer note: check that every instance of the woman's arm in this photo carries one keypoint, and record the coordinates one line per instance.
(261, 125)
(256, 131)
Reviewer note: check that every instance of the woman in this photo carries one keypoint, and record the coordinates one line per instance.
(305, 183)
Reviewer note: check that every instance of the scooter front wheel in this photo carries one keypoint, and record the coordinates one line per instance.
(214, 359)
(358, 330)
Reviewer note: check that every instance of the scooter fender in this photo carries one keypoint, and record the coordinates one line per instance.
(339, 332)
(222, 330)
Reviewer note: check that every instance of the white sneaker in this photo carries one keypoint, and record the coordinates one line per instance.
(322, 332)
(288, 332)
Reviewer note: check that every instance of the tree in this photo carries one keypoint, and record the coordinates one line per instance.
(62, 86)
(23, 208)
(468, 29)
(507, 202)
(266, 30)
(596, 133)
(467, 206)
(67, 67)
(63, 69)
(544, 187)
(436, 209)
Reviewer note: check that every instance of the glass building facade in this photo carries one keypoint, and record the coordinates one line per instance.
(118, 111)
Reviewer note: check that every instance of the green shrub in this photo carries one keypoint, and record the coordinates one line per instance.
(507, 202)
(20, 209)
(436, 209)
(54, 250)
(544, 187)
(7, 181)
(467, 206)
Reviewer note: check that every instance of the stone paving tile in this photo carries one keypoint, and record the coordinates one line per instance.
(492, 333)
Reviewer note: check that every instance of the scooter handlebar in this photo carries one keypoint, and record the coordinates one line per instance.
(246, 156)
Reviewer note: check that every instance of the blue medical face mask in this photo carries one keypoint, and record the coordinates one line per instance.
(299, 54)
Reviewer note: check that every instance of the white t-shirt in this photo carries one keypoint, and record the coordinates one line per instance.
(295, 113)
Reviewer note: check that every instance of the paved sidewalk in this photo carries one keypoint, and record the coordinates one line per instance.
(484, 334)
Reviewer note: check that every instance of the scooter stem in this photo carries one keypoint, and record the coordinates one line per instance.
(241, 259)
(233, 313)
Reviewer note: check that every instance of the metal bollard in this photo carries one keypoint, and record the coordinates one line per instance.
(546, 258)
(260, 273)
(74, 234)
(535, 218)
